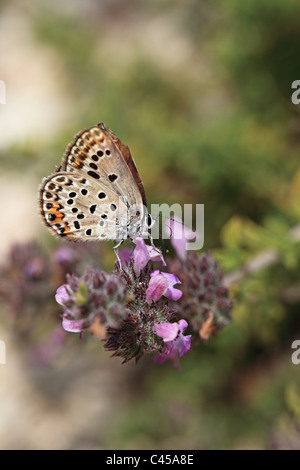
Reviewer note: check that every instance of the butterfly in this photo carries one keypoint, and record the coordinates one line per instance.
(97, 192)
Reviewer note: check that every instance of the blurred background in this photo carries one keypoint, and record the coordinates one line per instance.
(201, 93)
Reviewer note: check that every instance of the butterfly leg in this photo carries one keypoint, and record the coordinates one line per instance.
(117, 253)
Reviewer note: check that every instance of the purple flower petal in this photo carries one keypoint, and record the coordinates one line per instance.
(158, 285)
(124, 256)
(172, 279)
(171, 292)
(140, 255)
(144, 253)
(178, 346)
(182, 324)
(156, 255)
(167, 331)
(179, 235)
(155, 272)
(184, 344)
(160, 358)
(61, 294)
(74, 326)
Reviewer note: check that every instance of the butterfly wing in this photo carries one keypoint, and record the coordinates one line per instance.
(71, 206)
(124, 149)
(97, 192)
(102, 156)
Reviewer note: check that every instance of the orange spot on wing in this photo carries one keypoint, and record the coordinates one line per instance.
(58, 215)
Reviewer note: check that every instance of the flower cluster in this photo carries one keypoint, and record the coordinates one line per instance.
(205, 303)
(24, 285)
(145, 305)
(29, 277)
(139, 309)
(128, 308)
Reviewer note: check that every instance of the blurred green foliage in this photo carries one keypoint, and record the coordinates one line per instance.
(217, 127)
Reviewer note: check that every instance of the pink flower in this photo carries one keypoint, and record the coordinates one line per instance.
(158, 286)
(61, 294)
(74, 326)
(179, 235)
(144, 253)
(156, 255)
(124, 256)
(176, 343)
(162, 284)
